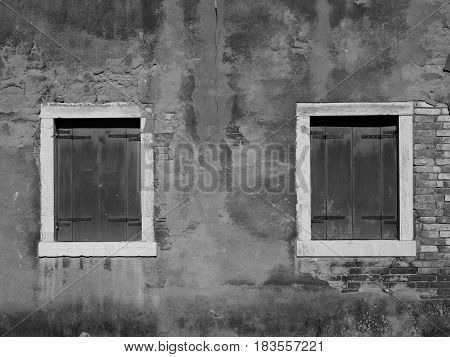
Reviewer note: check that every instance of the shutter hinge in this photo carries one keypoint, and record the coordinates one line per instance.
(387, 134)
(377, 218)
(130, 137)
(73, 137)
(320, 219)
(321, 135)
(71, 219)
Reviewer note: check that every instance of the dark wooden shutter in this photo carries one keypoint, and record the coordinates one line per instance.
(339, 182)
(134, 225)
(389, 174)
(85, 180)
(367, 179)
(112, 184)
(318, 183)
(64, 185)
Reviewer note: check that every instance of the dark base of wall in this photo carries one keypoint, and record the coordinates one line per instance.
(430, 286)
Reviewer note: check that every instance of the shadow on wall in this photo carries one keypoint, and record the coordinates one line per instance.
(241, 312)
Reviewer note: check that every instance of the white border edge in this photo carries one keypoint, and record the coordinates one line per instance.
(97, 249)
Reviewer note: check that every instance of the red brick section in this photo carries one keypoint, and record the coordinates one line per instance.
(429, 274)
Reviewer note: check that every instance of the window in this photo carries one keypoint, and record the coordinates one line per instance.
(96, 181)
(354, 179)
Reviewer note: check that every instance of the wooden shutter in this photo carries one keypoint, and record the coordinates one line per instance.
(318, 183)
(339, 182)
(64, 185)
(367, 179)
(134, 225)
(85, 220)
(389, 174)
(113, 184)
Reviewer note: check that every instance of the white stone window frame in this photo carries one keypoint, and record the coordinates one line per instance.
(48, 246)
(406, 245)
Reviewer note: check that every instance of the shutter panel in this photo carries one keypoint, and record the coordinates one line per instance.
(64, 185)
(85, 192)
(318, 184)
(367, 179)
(112, 184)
(339, 182)
(134, 225)
(389, 174)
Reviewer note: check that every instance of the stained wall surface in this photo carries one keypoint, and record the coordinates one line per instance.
(231, 78)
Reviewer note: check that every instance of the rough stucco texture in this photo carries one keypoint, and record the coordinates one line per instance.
(243, 69)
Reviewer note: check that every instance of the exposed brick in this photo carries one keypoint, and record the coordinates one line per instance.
(443, 118)
(425, 205)
(443, 219)
(428, 248)
(349, 290)
(443, 277)
(424, 161)
(427, 264)
(432, 241)
(443, 292)
(443, 133)
(428, 234)
(431, 256)
(429, 125)
(427, 191)
(422, 284)
(428, 183)
(353, 285)
(376, 270)
(429, 212)
(435, 169)
(425, 119)
(424, 147)
(427, 111)
(427, 220)
(391, 285)
(442, 161)
(425, 175)
(421, 277)
(444, 147)
(444, 176)
(443, 191)
(428, 270)
(429, 198)
(436, 227)
(357, 277)
(392, 278)
(409, 270)
(429, 153)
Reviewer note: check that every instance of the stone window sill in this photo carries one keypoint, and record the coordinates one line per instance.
(356, 248)
(98, 249)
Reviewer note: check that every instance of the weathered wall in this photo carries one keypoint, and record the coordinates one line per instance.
(233, 80)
